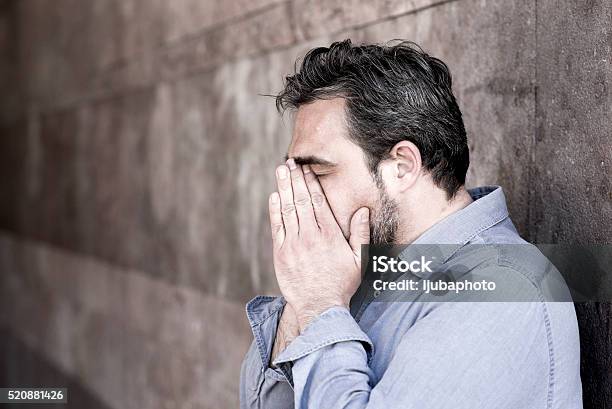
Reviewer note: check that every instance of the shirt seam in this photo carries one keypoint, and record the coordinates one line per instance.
(327, 343)
(257, 300)
(256, 327)
(502, 261)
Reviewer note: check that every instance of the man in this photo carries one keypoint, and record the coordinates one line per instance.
(379, 155)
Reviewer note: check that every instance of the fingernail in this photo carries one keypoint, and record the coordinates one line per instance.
(365, 215)
(306, 169)
(274, 198)
(282, 172)
(291, 164)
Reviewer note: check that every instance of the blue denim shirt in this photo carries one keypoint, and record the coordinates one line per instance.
(429, 354)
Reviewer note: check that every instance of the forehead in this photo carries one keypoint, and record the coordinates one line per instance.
(320, 129)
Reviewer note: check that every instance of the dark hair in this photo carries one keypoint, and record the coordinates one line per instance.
(393, 93)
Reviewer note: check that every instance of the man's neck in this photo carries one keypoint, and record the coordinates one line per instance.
(422, 216)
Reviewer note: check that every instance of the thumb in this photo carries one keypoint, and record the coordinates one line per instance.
(359, 230)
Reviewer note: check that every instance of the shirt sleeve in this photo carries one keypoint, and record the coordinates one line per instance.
(462, 355)
(260, 385)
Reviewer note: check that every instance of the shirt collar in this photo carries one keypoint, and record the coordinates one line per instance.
(459, 228)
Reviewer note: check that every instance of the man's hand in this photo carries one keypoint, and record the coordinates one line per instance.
(316, 268)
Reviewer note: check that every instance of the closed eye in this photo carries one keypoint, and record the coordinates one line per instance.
(321, 170)
(319, 166)
(321, 174)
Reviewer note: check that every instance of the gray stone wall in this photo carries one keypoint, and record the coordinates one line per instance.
(137, 153)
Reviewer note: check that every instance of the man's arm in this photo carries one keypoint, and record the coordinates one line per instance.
(261, 385)
(287, 330)
(460, 355)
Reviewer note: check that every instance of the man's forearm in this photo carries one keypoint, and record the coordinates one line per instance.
(287, 330)
(261, 386)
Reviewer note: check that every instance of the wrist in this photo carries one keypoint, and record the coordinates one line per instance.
(286, 331)
(307, 313)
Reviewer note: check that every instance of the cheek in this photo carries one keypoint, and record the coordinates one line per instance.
(344, 201)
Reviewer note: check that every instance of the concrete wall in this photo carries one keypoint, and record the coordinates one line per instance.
(136, 156)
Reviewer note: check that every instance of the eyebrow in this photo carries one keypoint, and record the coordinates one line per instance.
(310, 160)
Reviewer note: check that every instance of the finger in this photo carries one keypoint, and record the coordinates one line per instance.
(285, 191)
(360, 230)
(301, 198)
(320, 206)
(276, 220)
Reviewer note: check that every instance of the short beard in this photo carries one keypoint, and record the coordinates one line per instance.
(385, 218)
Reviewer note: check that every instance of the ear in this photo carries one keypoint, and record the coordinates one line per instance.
(403, 168)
